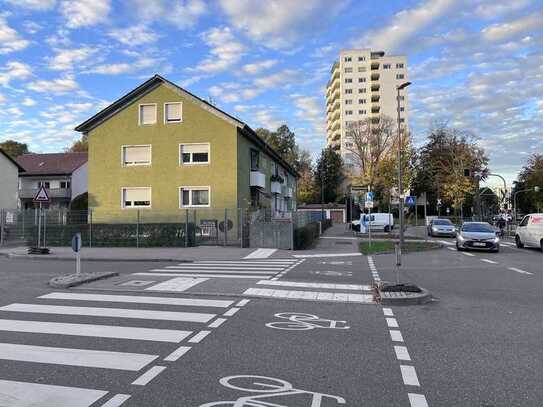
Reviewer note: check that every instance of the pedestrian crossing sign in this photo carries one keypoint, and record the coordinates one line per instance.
(410, 200)
(42, 195)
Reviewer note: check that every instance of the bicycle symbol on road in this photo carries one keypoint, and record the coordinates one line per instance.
(266, 388)
(303, 322)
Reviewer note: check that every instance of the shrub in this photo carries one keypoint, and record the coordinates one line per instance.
(305, 237)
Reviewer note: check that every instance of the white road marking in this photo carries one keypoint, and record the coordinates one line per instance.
(396, 336)
(242, 303)
(392, 323)
(401, 352)
(451, 248)
(217, 323)
(417, 400)
(221, 271)
(111, 312)
(445, 242)
(507, 243)
(317, 285)
(199, 336)
(468, 254)
(176, 354)
(311, 295)
(489, 261)
(21, 394)
(75, 357)
(231, 312)
(176, 284)
(116, 401)
(226, 268)
(149, 375)
(99, 331)
(199, 275)
(520, 271)
(303, 256)
(189, 302)
(260, 254)
(409, 375)
(388, 312)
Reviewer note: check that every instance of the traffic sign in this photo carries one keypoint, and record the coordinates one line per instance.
(439, 202)
(368, 204)
(410, 200)
(369, 196)
(42, 195)
(76, 242)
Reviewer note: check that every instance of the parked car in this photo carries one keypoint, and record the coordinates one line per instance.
(530, 231)
(441, 227)
(379, 222)
(477, 236)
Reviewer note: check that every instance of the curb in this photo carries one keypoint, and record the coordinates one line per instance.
(16, 256)
(70, 280)
(394, 298)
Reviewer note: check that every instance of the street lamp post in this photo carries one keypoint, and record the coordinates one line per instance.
(534, 189)
(400, 183)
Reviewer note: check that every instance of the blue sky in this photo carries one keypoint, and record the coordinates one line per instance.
(475, 64)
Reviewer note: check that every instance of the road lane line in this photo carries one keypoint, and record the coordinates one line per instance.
(260, 254)
(92, 330)
(468, 254)
(317, 285)
(395, 335)
(451, 249)
(242, 303)
(388, 312)
(231, 312)
(303, 256)
(225, 268)
(417, 400)
(189, 302)
(75, 357)
(33, 394)
(218, 271)
(217, 323)
(520, 271)
(171, 274)
(116, 401)
(409, 375)
(445, 242)
(176, 354)
(401, 352)
(111, 312)
(199, 336)
(392, 323)
(254, 261)
(489, 261)
(149, 375)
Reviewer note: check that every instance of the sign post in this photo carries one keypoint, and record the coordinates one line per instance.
(76, 247)
(40, 198)
(369, 205)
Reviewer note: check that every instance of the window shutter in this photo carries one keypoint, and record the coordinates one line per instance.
(148, 114)
(195, 148)
(173, 111)
(137, 194)
(137, 154)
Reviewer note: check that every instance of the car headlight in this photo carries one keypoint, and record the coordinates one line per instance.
(434, 229)
(495, 240)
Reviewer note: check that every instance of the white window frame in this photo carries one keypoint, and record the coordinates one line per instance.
(191, 188)
(181, 163)
(136, 207)
(166, 121)
(123, 164)
(139, 114)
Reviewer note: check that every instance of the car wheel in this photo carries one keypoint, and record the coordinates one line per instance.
(520, 245)
(541, 245)
(459, 248)
(387, 229)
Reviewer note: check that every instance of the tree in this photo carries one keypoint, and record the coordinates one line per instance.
(529, 177)
(81, 145)
(283, 141)
(328, 174)
(13, 148)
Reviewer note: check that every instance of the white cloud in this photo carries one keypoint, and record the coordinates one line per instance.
(28, 102)
(33, 4)
(515, 28)
(257, 67)
(404, 25)
(280, 23)
(65, 59)
(135, 35)
(312, 110)
(14, 70)
(492, 9)
(2, 98)
(32, 27)
(225, 51)
(9, 38)
(181, 13)
(57, 86)
(84, 13)
(120, 68)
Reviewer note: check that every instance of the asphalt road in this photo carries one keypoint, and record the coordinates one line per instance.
(477, 344)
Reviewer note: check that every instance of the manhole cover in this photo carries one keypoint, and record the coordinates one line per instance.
(137, 283)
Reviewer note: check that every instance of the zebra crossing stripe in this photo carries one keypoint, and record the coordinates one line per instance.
(200, 275)
(235, 271)
(116, 400)
(317, 285)
(189, 302)
(75, 357)
(110, 312)
(230, 267)
(21, 394)
(260, 254)
(149, 375)
(99, 331)
(311, 295)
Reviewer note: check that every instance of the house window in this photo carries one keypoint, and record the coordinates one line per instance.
(360, 59)
(401, 109)
(348, 91)
(386, 66)
(255, 197)
(402, 97)
(136, 198)
(194, 153)
(361, 69)
(348, 59)
(172, 112)
(361, 80)
(148, 114)
(64, 184)
(255, 160)
(348, 112)
(402, 120)
(348, 70)
(190, 197)
(362, 90)
(348, 80)
(45, 184)
(400, 76)
(348, 101)
(361, 101)
(399, 66)
(136, 155)
(361, 112)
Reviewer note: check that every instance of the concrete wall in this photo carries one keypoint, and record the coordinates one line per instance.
(80, 181)
(9, 178)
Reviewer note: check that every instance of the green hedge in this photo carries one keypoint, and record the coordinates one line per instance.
(305, 237)
(119, 235)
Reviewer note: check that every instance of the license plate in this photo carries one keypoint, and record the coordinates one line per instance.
(478, 244)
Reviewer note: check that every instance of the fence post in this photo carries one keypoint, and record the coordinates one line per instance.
(240, 217)
(138, 228)
(2, 226)
(292, 234)
(45, 227)
(186, 228)
(225, 225)
(90, 227)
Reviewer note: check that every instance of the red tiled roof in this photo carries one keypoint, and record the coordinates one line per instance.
(51, 164)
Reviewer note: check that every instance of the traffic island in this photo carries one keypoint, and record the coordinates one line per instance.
(403, 294)
(73, 280)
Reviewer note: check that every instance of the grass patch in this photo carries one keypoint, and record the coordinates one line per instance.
(387, 246)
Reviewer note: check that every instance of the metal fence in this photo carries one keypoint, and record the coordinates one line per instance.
(151, 228)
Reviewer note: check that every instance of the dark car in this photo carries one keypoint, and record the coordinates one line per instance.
(441, 227)
(477, 236)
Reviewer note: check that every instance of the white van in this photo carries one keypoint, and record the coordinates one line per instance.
(530, 231)
(379, 221)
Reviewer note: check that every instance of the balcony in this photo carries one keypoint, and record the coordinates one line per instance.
(375, 76)
(375, 98)
(374, 66)
(375, 87)
(375, 109)
(275, 187)
(258, 179)
(53, 193)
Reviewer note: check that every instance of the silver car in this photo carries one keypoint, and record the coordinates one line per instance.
(477, 236)
(441, 227)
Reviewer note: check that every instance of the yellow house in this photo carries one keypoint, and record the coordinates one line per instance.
(160, 149)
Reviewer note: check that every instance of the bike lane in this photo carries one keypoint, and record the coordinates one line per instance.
(343, 359)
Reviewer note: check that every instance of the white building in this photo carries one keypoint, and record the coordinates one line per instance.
(9, 176)
(363, 85)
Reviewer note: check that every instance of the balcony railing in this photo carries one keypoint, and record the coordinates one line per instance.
(258, 179)
(30, 193)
